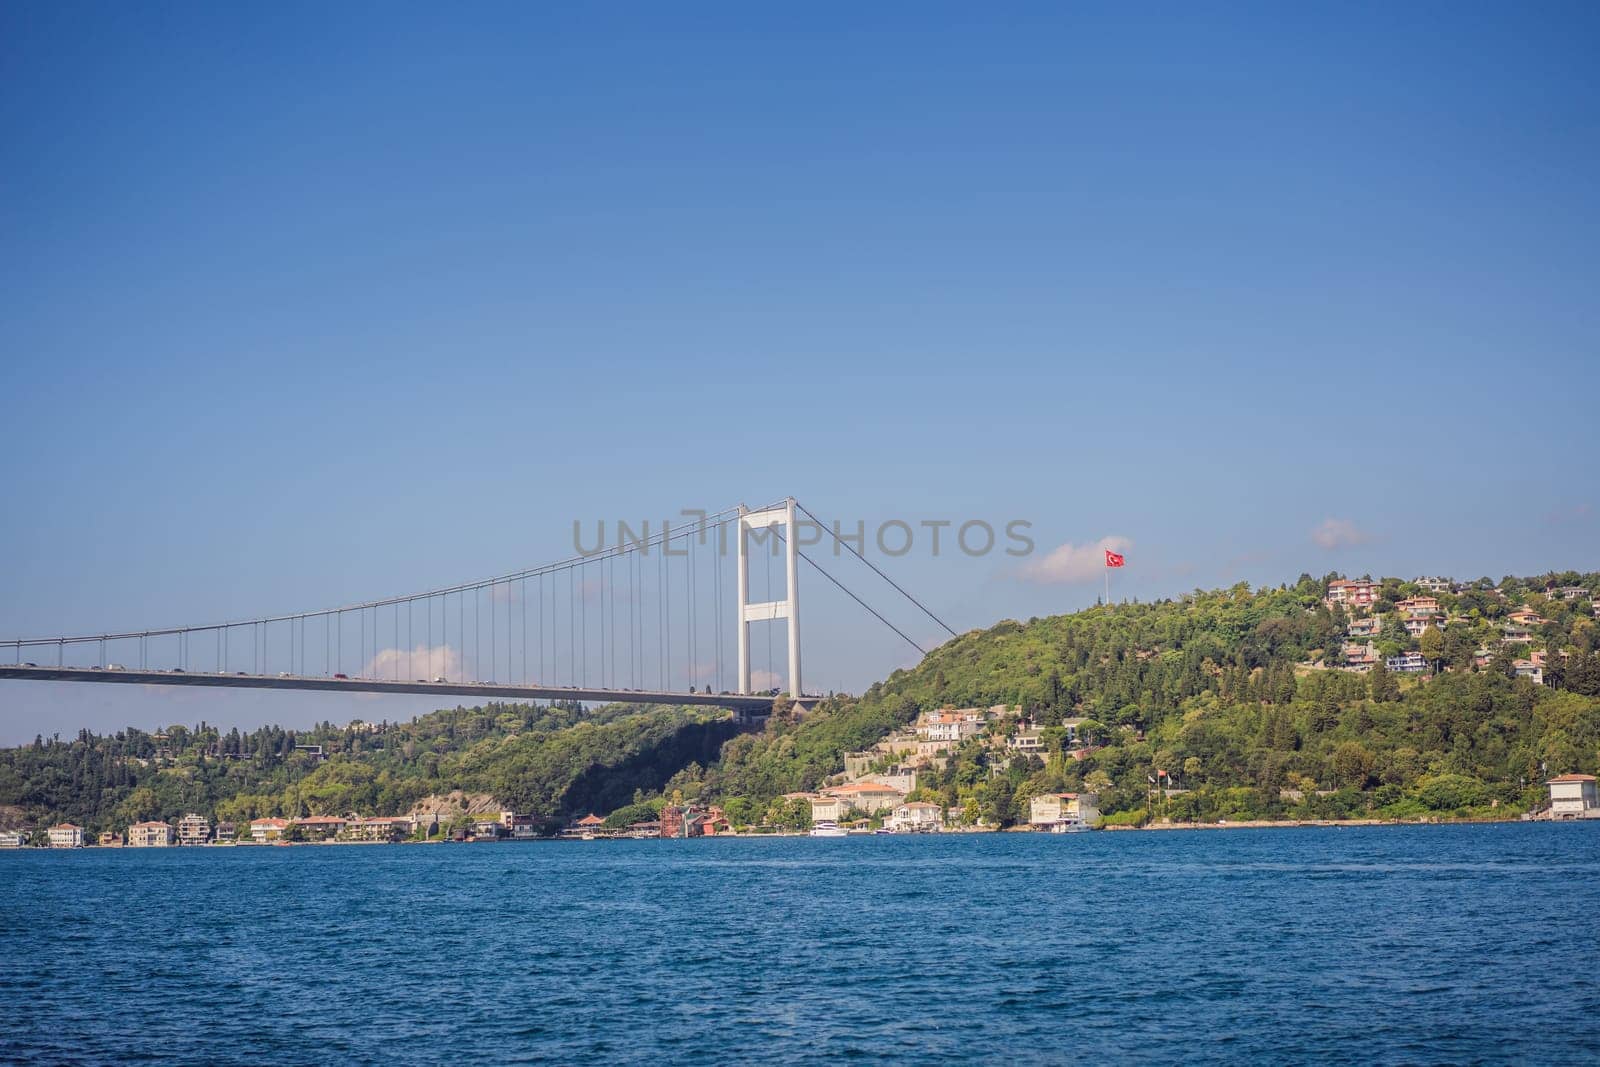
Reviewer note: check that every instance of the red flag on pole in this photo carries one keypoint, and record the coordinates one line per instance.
(1113, 559)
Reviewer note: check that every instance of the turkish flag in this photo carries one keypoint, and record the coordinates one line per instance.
(1113, 559)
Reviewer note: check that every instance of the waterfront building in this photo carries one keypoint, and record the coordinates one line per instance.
(319, 827)
(1049, 810)
(488, 829)
(692, 820)
(917, 816)
(150, 835)
(1573, 796)
(194, 829)
(868, 796)
(264, 830)
(227, 831)
(525, 827)
(827, 809)
(66, 835)
(376, 829)
(13, 838)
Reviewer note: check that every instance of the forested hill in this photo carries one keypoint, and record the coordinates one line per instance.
(547, 761)
(1228, 692)
(1236, 694)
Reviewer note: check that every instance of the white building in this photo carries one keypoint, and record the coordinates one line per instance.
(917, 816)
(951, 727)
(13, 838)
(867, 796)
(194, 829)
(66, 835)
(1049, 810)
(1029, 739)
(149, 835)
(1573, 796)
(827, 809)
(264, 830)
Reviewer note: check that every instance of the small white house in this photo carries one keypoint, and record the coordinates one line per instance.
(1048, 810)
(917, 816)
(1573, 796)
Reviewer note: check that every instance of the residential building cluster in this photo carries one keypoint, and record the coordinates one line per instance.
(1360, 598)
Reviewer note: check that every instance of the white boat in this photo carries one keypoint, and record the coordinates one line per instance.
(827, 828)
(1070, 827)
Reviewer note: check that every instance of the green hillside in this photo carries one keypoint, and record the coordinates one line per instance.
(546, 761)
(1226, 691)
(1219, 690)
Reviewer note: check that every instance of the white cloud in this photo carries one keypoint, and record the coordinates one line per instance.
(1071, 564)
(760, 680)
(439, 661)
(1339, 533)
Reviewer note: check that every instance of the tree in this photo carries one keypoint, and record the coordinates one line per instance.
(1352, 764)
(1382, 685)
(1431, 645)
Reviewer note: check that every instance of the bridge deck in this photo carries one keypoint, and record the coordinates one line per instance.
(744, 705)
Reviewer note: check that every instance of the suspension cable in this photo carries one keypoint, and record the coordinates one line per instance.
(875, 569)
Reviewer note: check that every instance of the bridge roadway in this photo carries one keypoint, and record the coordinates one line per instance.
(745, 707)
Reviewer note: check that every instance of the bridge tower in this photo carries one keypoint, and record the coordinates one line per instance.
(787, 608)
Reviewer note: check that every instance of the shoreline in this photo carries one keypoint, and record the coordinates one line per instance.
(1279, 824)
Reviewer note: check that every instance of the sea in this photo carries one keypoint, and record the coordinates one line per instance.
(1389, 944)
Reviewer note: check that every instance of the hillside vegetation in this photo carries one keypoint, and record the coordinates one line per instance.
(1218, 690)
(545, 761)
(1222, 698)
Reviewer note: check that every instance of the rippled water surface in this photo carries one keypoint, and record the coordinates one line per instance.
(1388, 944)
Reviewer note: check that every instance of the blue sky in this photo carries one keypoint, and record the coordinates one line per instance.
(302, 305)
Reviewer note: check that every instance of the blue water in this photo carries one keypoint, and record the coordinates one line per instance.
(1386, 944)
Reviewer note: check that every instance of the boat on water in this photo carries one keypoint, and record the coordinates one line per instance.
(587, 835)
(1070, 826)
(828, 828)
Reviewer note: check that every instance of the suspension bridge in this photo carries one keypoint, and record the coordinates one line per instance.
(641, 617)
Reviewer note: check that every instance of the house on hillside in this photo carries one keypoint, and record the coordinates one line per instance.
(1028, 739)
(1359, 658)
(1354, 593)
(1419, 605)
(1434, 585)
(1364, 629)
(1416, 624)
(950, 727)
(1526, 617)
(1513, 634)
(1526, 668)
(1407, 663)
